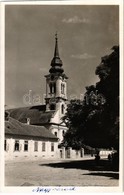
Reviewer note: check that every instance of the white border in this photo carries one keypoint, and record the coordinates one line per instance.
(68, 2)
(2, 87)
(2, 96)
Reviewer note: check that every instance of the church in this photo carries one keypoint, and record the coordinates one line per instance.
(41, 123)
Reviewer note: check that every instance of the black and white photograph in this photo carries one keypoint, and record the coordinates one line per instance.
(62, 97)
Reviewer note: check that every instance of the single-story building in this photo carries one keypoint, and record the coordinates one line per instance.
(23, 141)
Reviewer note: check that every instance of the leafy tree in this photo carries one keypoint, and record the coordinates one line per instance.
(95, 120)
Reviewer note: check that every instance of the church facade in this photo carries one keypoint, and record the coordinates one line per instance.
(36, 131)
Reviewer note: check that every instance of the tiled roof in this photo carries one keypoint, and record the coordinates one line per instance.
(37, 114)
(14, 127)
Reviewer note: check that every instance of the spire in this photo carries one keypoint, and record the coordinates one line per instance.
(56, 52)
(56, 62)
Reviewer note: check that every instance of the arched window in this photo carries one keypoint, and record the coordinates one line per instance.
(50, 85)
(62, 109)
(63, 88)
(55, 134)
(54, 86)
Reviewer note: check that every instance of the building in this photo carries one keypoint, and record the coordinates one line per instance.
(23, 141)
(36, 131)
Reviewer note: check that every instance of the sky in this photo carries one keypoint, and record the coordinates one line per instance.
(85, 34)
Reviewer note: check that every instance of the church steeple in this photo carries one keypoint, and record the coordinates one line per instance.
(56, 52)
(56, 62)
(56, 85)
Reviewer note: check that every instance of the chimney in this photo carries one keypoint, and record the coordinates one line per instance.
(7, 114)
(28, 121)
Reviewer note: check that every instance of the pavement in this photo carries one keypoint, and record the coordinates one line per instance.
(82, 172)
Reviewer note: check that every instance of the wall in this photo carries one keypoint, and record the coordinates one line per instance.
(71, 154)
(105, 152)
(59, 129)
(10, 154)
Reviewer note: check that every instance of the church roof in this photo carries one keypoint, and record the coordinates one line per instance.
(15, 128)
(36, 114)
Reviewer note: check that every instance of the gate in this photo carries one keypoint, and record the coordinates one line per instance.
(67, 153)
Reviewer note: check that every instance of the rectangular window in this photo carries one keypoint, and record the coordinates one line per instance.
(52, 147)
(5, 144)
(35, 146)
(25, 145)
(43, 146)
(16, 147)
(54, 87)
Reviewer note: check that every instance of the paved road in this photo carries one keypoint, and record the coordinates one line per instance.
(60, 173)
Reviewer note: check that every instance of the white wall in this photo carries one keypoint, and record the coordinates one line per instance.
(59, 129)
(10, 154)
(105, 152)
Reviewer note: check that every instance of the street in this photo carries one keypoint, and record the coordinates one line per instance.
(60, 173)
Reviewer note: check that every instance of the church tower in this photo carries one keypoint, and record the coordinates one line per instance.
(56, 85)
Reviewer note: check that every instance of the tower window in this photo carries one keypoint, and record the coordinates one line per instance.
(62, 88)
(52, 107)
(25, 145)
(52, 87)
(55, 134)
(62, 109)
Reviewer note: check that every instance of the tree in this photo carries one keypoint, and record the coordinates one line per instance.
(95, 120)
